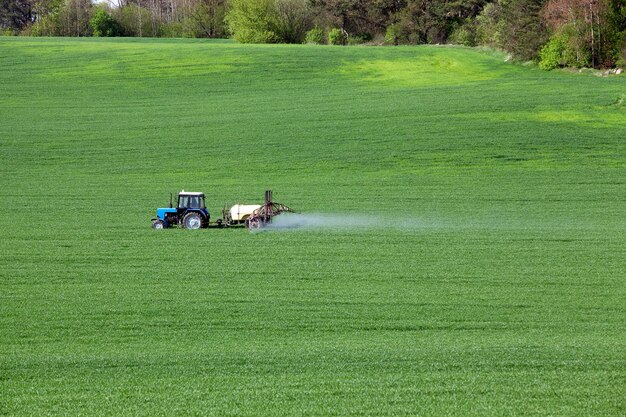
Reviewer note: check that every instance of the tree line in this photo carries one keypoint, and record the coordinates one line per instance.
(134, 18)
(577, 33)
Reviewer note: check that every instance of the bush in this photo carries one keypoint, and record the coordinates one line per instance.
(315, 36)
(465, 34)
(172, 30)
(392, 34)
(551, 54)
(45, 26)
(355, 40)
(621, 60)
(566, 48)
(103, 24)
(576, 52)
(490, 26)
(359, 39)
(337, 37)
(189, 28)
(253, 21)
(7, 32)
(293, 20)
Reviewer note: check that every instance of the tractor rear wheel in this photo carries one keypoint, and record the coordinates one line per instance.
(158, 224)
(192, 220)
(253, 223)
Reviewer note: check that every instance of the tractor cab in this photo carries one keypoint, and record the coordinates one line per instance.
(190, 200)
(190, 212)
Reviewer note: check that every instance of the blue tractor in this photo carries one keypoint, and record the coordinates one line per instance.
(190, 213)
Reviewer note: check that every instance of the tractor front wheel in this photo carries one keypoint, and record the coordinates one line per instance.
(192, 220)
(158, 224)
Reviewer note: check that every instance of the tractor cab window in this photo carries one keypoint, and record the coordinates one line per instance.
(186, 201)
(197, 202)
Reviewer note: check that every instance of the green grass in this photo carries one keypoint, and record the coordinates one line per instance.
(495, 284)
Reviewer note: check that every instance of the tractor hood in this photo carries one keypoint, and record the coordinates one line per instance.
(161, 212)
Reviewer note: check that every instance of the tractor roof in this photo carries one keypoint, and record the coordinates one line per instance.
(190, 193)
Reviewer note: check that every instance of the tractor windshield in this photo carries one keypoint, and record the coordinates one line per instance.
(196, 202)
(191, 201)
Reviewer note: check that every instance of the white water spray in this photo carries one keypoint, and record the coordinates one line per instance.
(344, 222)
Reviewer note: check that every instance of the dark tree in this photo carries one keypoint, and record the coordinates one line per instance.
(524, 29)
(16, 14)
(425, 21)
(356, 16)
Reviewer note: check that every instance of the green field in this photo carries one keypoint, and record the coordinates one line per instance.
(481, 269)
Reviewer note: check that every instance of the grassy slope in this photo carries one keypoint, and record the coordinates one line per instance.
(504, 292)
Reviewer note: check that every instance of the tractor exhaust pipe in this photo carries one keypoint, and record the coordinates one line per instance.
(170, 200)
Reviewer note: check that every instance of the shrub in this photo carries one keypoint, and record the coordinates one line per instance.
(337, 37)
(7, 32)
(465, 34)
(405, 31)
(45, 26)
(103, 24)
(565, 48)
(576, 52)
(315, 36)
(191, 28)
(172, 30)
(490, 26)
(358, 39)
(293, 20)
(550, 55)
(392, 34)
(621, 60)
(253, 21)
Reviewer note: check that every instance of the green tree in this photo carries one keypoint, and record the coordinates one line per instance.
(74, 18)
(589, 28)
(103, 24)
(269, 21)
(363, 18)
(137, 21)
(617, 21)
(46, 25)
(293, 20)
(207, 17)
(552, 54)
(490, 26)
(425, 21)
(253, 21)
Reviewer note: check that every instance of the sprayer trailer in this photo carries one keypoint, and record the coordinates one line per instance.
(239, 213)
(191, 213)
